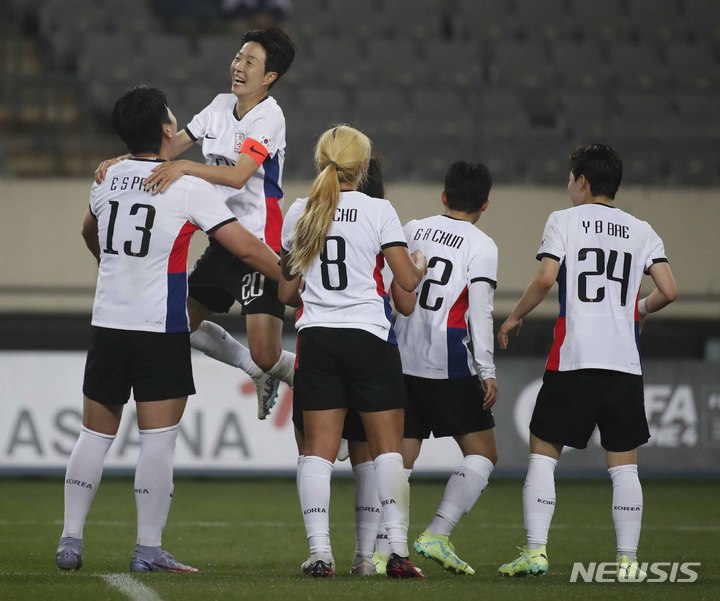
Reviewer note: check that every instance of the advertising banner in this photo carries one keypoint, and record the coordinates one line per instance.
(41, 415)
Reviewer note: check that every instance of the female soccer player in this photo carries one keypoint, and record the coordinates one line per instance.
(337, 241)
(593, 376)
(243, 139)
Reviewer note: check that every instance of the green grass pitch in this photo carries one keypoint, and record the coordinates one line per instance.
(247, 538)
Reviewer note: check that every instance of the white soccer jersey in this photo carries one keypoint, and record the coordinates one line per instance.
(450, 333)
(144, 239)
(344, 286)
(603, 253)
(259, 133)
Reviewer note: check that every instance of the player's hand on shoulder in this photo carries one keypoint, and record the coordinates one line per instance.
(511, 324)
(491, 392)
(101, 171)
(164, 175)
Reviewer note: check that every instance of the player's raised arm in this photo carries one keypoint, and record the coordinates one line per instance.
(408, 270)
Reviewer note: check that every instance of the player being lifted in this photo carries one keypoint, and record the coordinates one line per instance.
(593, 376)
(242, 134)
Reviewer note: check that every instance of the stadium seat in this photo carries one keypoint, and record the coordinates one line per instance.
(585, 116)
(637, 66)
(644, 115)
(601, 21)
(579, 65)
(546, 20)
(338, 59)
(519, 65)
(464, 57)
(693, 67)
(656, 21)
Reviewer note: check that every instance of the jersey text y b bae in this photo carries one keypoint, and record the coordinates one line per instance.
(603, 253)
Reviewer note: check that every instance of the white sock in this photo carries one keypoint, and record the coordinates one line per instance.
(461, 493)
(367, 509)
(394, 493)
(315, 503)
(284, 369)
(154, 483)
(82, 478)
(539, 499)
(216, 343)
(627, 508)
(382, 544)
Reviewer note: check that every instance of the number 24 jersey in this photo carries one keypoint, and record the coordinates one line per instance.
(603, 253)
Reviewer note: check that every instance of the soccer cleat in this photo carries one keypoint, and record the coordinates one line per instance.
(380, 562)
(628, 570)
(363, 567)
(344, 451)
(69, 554)
(165, 562)
(529, 563)
(318, 568)
(402, 567)
(266, 388)
(439, 548)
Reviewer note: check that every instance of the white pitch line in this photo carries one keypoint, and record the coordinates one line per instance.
(131, 587)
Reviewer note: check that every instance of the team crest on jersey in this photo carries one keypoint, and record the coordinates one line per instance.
(239, 139)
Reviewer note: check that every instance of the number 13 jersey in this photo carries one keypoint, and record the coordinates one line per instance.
(603, 253)
(144, 239)
(344, 285)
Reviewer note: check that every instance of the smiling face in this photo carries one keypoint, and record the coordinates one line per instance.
(248, 71)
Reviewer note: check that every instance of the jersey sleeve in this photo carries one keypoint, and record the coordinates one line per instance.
(482, 281)
(197, 129)
(288, 228)
(264, 135)
(483, 266)
(391, 231)
(480, 325)
(656, 250)
(206, 206)
(553, 243)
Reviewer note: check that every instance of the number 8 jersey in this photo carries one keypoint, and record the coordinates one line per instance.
(144, 239)
(343, 288)
(603, 253)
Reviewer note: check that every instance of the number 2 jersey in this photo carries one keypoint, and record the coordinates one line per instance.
(344, 285)
(603, 253)
(144, 239)
(450, 333)
(259, 133)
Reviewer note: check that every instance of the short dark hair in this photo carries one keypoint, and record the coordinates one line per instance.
(602, 167)
(372, 184)
(279, 49)
(467, 186)
(138, 117)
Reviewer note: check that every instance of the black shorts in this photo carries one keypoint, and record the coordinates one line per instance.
(155, 365)
(571, 403)
(445, 407)
(219, 279)
(347, 368)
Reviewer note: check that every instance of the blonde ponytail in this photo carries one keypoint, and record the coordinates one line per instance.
(341, 157)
